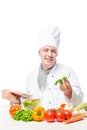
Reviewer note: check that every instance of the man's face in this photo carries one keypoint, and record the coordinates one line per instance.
(48, 56)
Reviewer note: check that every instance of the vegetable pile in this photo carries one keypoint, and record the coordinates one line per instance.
(62, 114)
(58, 115)
(37, 114)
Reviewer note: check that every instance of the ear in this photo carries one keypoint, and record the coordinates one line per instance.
(57, 53)
(39, 52)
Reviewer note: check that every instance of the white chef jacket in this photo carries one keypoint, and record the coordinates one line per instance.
(51, 96)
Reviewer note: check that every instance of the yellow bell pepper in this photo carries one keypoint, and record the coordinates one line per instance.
(38, 113)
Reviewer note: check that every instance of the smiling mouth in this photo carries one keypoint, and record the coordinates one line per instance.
(49, 60)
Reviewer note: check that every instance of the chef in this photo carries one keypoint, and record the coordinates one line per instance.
(41, 80)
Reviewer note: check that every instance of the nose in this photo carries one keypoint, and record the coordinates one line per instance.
(49, 53)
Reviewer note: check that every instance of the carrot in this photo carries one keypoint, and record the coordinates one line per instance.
(74, 119)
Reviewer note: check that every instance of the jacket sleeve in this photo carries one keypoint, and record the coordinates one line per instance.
(77, 94)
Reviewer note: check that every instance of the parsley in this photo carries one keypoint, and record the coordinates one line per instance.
(60, 80)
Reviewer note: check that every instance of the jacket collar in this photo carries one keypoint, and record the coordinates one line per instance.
(51, 70)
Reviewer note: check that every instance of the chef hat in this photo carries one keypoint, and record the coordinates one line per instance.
(49, 36)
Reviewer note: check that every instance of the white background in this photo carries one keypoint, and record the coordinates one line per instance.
(20, 23)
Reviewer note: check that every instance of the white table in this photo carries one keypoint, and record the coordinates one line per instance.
(6, 122)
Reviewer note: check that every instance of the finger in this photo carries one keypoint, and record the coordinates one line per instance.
(64, 84)
(67, 83)
(64, 87)
(61, 87)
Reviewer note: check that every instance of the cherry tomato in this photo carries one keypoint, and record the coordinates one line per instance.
(50, 115)
(14, 108)
(68, 114)
(62, 105)
(60, 115)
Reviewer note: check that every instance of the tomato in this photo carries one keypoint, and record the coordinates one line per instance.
(62, 105)
(60, 115)
(50, 115)
(14, 108)
(38, 113)
(68, 114)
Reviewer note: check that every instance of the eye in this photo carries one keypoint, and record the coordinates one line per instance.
(54, 51)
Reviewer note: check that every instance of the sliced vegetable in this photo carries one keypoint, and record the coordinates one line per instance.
(38, 113)
(74, 119)
(30, 104)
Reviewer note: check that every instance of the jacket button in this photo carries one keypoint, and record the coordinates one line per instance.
(49, 102)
